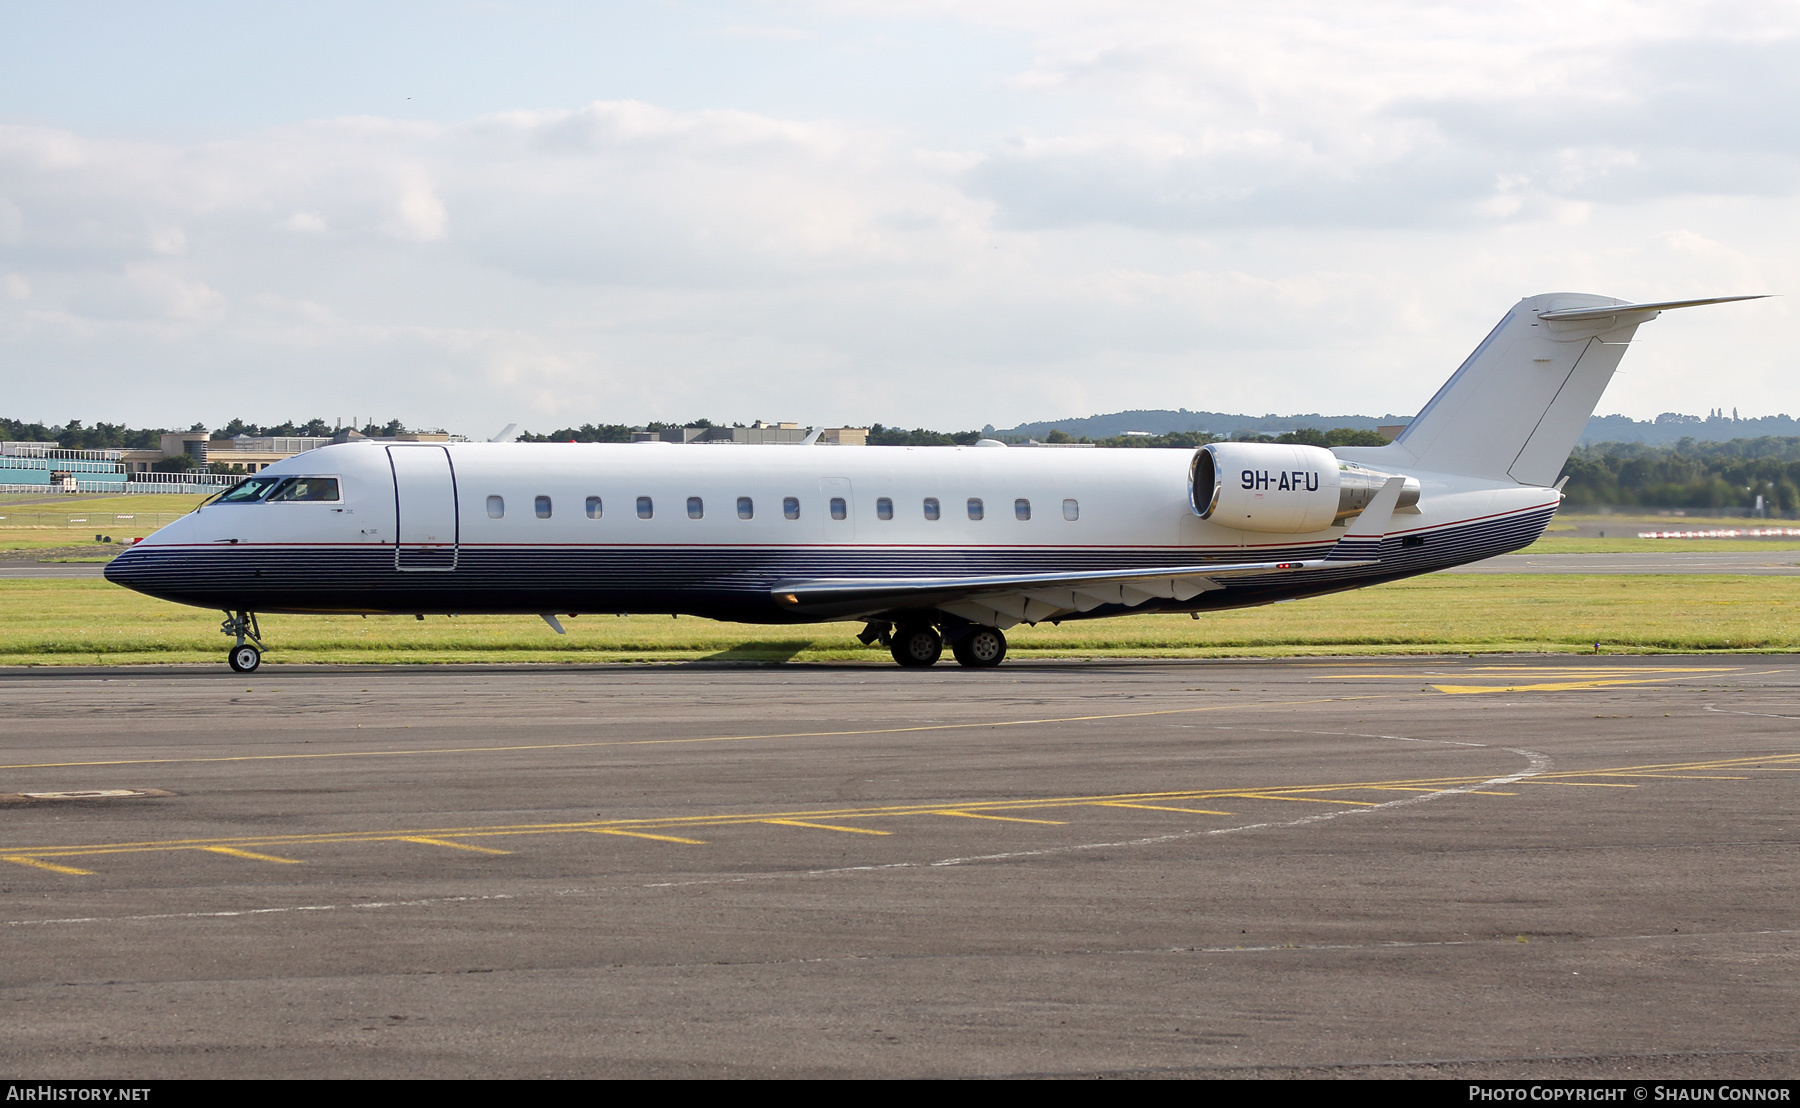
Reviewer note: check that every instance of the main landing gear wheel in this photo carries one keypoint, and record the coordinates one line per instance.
(244, 659)
(980, 648)
(916, 646)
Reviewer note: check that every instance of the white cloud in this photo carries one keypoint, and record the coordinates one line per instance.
(1393, 115)
(1289, 207)
(769, 32)
(305, 223)
(418, 215)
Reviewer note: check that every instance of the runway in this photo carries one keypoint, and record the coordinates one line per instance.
(1756, 563)
(1567, 867)
(19, 568)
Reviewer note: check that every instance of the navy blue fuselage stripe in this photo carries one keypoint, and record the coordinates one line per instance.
(735, 583)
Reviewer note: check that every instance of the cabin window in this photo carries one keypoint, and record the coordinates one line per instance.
(1071, 510)
(302, 489)
(839, 510)
(696, 509)
(884, 508)
(541, 505)
(746, 508)
(975, 508)
(496, 507)
(790, 507)
(931, 507)
(593, 507)
(1021, 509)
(645, 508)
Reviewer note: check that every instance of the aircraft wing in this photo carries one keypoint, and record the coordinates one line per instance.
(1006, 599)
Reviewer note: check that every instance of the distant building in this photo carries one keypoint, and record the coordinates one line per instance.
(25, 466)
(1391, 431)
(760, 433)
(253, 453)
(46, 466)
(250, 452)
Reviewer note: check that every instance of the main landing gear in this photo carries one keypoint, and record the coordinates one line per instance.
(979, 647)
(916, 644)
(920, 644)
(243, 658)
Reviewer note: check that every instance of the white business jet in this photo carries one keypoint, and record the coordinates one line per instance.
(928, 546)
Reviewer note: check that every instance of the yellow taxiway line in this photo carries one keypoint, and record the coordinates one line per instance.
(659, 828)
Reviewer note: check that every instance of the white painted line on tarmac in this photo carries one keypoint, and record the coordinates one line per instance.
(368, 905)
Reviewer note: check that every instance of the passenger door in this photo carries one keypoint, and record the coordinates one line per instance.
(425, 506)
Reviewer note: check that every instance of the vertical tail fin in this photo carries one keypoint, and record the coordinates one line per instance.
(1518, 404)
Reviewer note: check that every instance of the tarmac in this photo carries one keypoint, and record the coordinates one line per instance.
(1396, 867)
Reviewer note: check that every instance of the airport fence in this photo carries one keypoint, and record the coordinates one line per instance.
(132, 524)
(187, 482)
(1726, 533)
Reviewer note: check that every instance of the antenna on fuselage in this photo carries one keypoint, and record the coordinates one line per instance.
(505, 434)
(813, 437)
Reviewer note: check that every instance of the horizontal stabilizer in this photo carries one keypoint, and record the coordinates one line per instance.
(1604, 311)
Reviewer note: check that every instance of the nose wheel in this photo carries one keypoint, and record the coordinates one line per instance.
(247, 654)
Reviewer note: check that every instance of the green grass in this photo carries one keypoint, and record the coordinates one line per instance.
(65, 541)
(83, 622)
(27, 526)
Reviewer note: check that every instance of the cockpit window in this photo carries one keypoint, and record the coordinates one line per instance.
(251, 489)
(305, 488)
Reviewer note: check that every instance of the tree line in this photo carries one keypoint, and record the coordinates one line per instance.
(74, 435)
(880, 435)
(1686, 474)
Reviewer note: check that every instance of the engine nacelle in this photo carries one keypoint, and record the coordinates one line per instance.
(1282, 488)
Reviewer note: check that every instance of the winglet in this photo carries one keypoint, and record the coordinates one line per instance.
(1362, 539)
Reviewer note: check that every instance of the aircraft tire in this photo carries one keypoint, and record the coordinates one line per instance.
(918, 645)
(981, 648)
(244, 659)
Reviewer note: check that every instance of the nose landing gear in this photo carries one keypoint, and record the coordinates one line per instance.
(243, 658)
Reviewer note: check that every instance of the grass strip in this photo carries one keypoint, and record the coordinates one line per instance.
(84, 622)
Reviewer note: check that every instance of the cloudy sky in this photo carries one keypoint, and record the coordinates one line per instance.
(920, 213)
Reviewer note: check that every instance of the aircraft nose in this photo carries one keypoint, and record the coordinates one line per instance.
(129, 568)
(120, 570)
